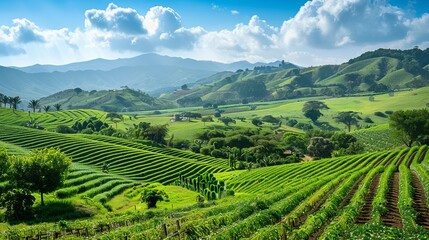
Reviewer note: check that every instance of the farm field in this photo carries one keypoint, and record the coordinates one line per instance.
(370, 195)
(307, 200)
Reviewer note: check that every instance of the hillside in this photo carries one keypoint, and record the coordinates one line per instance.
(320, 199)
(146, 72)
(382, 70)
(106, 100)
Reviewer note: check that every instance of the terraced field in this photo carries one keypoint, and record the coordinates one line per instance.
(49, 119)
(132, 161)
(90, 183)
(383, 194)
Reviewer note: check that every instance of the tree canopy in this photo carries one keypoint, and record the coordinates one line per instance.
(411, 125)
(43, 170)
(348, 118)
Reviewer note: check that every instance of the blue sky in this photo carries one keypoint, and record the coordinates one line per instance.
(303, 32)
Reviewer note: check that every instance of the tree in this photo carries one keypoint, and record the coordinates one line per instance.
(43, 170)
(256, 122)
(320, 147)
(226, 120)
(313, 114)
(18, 203)
(115, 117)
(10, 101)
(348, 118)
(33, 104)
(15, 101)
(5, 100)
(4, 162)
(312, 109)
(410, 125)
(152, 196)
(184, 87)
(157, 133)
(238, 141)
(206, 119)
(342, 139)
(46, 108)
(57, 106)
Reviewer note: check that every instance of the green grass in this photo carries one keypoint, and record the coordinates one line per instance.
(130, 162)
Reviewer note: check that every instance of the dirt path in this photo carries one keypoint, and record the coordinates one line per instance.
(366, 211)
(343, 204)
(422, 156)
(410, 159)
(399, 161)
(393, 217)
(420, 202)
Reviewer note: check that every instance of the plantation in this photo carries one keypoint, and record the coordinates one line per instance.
(380, 193)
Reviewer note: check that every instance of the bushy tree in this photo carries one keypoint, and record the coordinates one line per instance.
(320, 147)
(4, 162)
(312, 109)
(152, 196)
(256, 122)
(226, 120)
(410, 125)
(43, 170)
(157, 133)
(18, 203)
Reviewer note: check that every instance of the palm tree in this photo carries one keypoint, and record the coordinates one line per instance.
(34, 104)
(15, 101)
(10, 101)
(46, 108)
(57, 106)
(5, 100)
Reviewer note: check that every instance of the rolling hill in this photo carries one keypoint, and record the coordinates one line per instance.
(127, 100)
(382, 70)
(146, 72)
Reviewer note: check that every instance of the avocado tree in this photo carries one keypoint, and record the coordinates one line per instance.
(152, 196)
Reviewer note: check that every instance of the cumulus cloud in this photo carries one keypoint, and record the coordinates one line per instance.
(253, 38)
(22, 31)
(114, 18)
(336, 23)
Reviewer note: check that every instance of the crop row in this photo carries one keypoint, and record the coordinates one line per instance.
(125, 161)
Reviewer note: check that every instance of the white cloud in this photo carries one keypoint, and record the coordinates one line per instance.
(317, 34)
(114, 18)
(234, 12)
(337, 23)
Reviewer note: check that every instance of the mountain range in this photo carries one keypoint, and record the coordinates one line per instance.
(146, 72)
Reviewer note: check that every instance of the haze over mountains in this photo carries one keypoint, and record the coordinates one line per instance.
(146, 72)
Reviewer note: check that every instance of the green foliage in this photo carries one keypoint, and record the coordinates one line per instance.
(4, 162)
(43, 170)
(348, 118)
(410, 125)
(320, 147)
(151, 196)
(226, 120)
(18, 203)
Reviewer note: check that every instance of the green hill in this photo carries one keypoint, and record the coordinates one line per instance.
(107, 100)
(382, 70)
(347, 197)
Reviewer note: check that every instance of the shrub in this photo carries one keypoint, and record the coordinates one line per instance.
(304, 126)
(368, 120)
(205, 151)
(270, 119)
(291, 122)
(87, 131)
(219, 154)
(380, 114)
(64, 129)
(388, 112)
